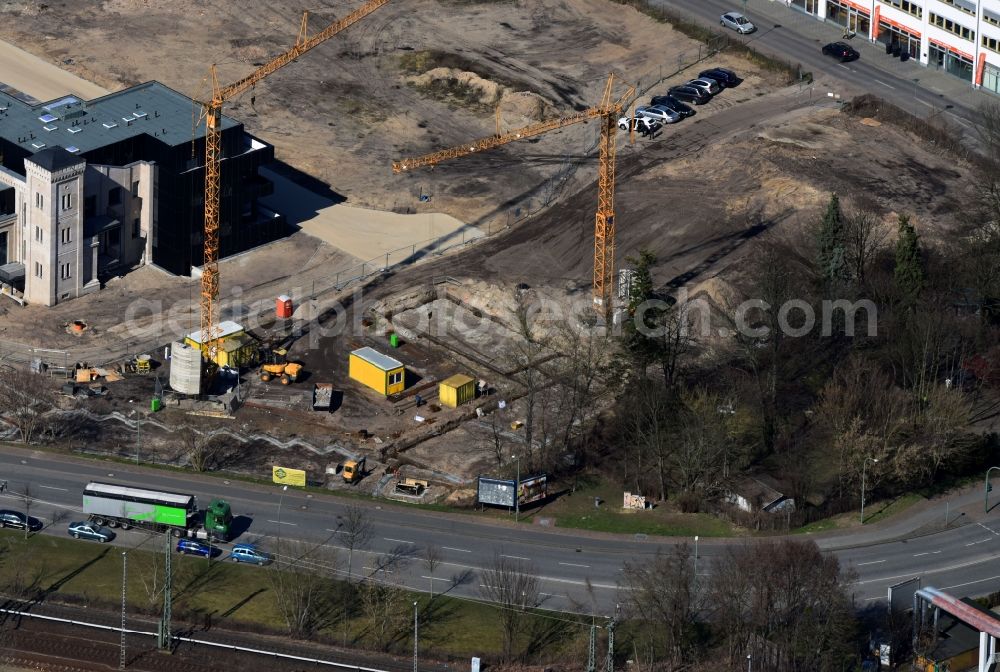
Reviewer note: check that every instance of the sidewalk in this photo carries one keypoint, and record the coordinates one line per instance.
(823, 32)
(962, 507)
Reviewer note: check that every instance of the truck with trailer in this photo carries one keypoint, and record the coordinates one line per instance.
(159, 511)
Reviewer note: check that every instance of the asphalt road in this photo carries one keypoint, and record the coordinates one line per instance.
(576, 569)
(779, 35)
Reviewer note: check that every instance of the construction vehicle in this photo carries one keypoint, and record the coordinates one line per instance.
(155, 510)
(211, 112)
(411, 486)
(353, 471)
(608, 112)
(276, 365)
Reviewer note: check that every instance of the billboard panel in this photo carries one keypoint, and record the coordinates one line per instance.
(286, 476)
(532, 489)
(496, 491)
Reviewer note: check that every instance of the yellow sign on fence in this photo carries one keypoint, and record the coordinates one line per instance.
(286, 476)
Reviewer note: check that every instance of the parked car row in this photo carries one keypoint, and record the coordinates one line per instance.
(673, 107)
(701, 89)
(243, 553)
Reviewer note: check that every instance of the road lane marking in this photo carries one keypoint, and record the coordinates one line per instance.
(435, 578)
(917, 555)
(888, 86)
(460, 550)
(571, 564)
(993, 532)
(969, 583)
(950, 568)
(398, 541)
(52, 487)
(873, 562)
(336, 531)
(973, 543)
(925, 103)
(514, 557)
(282, 522)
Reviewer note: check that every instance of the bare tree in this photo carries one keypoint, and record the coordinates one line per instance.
(663, 594)
(384, 605)
(356, 533)
(865, 235)
(786, 604)
(513, 587)
(300, 586)
(24, 398)
(431, 558)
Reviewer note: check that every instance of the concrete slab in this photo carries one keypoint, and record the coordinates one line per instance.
(362, 233)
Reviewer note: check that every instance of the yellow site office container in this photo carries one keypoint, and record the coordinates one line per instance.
(457, 390)
(380, 372)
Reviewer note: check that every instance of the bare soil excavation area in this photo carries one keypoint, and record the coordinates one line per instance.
(759, 160)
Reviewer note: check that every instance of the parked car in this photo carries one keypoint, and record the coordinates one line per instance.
(689, 94)
(664, 115)
(19, 521)
(674, 104)
(737, 22)
(192, 547)
(639, 123)
(90, 531)
(249, 553)
(841, 51)
(709, 86)
(726, 78)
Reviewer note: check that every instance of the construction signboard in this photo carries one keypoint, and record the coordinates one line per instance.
(500, 491)
(532, 489)
(495, 491)
(286, 476)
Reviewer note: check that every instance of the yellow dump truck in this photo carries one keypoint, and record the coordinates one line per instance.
(380, 372)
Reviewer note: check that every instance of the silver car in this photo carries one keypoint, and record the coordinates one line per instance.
(737, 22)
(709, 86)
(662, 114)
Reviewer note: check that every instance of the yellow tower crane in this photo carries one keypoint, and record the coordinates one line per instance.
(211, 112)
(604, 225)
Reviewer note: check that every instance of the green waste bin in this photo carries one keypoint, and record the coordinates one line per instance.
(155, 404)
(394, 340)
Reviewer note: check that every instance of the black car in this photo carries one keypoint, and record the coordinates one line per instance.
(689, 94)
(726, 78)
(673, 104)
(18, 520)
(841, 51)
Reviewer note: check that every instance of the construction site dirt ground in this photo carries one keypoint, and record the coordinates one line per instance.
(668, 202)
(759, 161)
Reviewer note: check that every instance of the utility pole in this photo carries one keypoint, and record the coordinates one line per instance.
(591, 662)
(121, 658)
(416, 636)
(609, 662)
(163, 636)
(864, 464)
(517, 489)
(988, 488)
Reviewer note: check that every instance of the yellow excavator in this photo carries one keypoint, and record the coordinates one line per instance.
(276, 365)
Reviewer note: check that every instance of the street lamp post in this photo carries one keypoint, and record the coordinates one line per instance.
(749, 661)
(696, 557)
(987, 489)
(137, 437)
(280, 499)
(517, 488)
(864, 464)
(415, 637)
